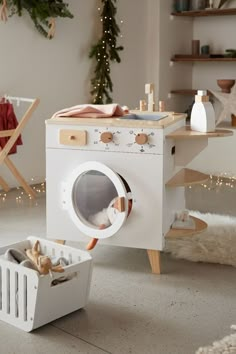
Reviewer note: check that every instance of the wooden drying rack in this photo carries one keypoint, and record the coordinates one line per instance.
(14, 134)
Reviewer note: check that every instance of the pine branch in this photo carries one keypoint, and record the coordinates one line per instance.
(40, 11)
(105, 52)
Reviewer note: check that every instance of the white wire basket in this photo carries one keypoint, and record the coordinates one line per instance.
(29, 300)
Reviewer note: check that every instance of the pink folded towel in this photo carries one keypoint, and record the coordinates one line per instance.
(91, 111)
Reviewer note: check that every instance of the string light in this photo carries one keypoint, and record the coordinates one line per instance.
(21, 194)
(109, 51)
(216, 182)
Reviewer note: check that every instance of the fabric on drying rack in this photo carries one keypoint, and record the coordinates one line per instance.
(8, 121)
(92, 111)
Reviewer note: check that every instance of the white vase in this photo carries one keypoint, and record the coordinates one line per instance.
(202, 115)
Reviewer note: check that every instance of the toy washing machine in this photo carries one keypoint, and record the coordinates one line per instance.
(112, 172)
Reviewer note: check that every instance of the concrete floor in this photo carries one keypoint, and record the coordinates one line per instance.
(130, 310)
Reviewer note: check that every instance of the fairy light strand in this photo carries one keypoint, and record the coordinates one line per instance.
(20, 195)
(215, 182)
(105, 52)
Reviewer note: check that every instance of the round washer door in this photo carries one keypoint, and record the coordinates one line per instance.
(97, 200)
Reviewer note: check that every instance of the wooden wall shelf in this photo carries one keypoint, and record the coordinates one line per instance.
(187, 133)
(177, 233)
(187, 177)
(201, 59)
(187, 92)
(204, 13)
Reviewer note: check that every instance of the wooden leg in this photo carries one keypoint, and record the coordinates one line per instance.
(155, 261)
(19, 178)
(4, 185)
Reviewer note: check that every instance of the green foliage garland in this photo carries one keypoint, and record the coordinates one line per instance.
(105, 51)
(42, 12)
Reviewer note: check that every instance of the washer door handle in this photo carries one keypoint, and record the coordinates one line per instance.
(120, 204)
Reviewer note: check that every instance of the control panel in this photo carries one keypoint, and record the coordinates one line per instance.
(141, 140)
(113, 139)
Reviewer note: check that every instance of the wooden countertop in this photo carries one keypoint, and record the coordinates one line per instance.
(171, 118)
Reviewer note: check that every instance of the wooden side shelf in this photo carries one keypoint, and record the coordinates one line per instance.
(177, 233)
(204, 13)
(187, 133)
(187, 177)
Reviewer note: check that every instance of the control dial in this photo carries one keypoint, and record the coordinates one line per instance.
(106, 137)
(141, 139)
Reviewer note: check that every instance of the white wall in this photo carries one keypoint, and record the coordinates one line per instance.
(58, 71)
(175, 38)
(219, 33)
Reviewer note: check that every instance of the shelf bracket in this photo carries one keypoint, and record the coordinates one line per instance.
(187, 150)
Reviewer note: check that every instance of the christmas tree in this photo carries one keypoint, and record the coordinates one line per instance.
(105, 52)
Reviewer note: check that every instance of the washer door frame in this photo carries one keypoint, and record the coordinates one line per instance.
(94, 232)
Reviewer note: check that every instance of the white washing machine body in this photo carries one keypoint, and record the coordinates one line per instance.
(92, 168)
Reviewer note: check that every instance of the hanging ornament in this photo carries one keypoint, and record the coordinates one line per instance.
(105, 52)
(42, 13)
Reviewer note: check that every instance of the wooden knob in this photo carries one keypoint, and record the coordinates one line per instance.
(141, 139)
(106, 137)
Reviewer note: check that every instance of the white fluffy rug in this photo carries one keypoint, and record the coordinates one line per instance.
(217, 244)
(226, 345)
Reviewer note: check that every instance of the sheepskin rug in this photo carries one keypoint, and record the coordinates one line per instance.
(227, 345)
(217, 244)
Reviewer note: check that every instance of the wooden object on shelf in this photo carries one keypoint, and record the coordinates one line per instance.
(161, 106)
(149, 90)
(142, 105)
(187, 177)
(177, 233)
(195, 47)
(204, 13)
(233, 120)
(155, 261)
(225, 85)
(187, 133)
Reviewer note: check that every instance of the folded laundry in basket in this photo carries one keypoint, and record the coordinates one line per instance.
(16, 256)
(92, 111)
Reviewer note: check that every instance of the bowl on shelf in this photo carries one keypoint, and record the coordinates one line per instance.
(225, 85)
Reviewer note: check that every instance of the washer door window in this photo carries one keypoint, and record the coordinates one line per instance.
(97, 200)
